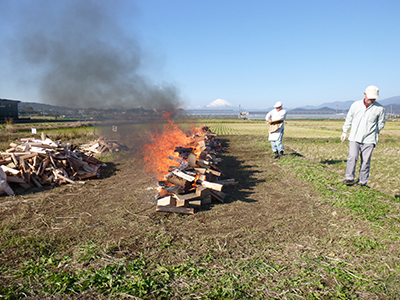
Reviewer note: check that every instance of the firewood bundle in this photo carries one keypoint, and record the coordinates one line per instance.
(45, 162)
(197, 180)
(103, 145)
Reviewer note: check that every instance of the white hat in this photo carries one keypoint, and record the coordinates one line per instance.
(278, 104)
(372, 92)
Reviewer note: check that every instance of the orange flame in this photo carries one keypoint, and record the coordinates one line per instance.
(161, 146)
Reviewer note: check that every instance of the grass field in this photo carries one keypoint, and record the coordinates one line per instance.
(289, 230)
(318, 140)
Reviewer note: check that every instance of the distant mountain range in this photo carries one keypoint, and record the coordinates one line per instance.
(392, 105)
(345, 105)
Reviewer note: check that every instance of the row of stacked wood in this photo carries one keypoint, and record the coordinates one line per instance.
(197, 180)
(37, 162)
(102, 145)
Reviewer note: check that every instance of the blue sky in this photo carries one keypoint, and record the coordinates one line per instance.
(250, 53)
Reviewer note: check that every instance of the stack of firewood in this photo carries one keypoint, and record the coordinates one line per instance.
(103, 145)
(197, 180)
(38, 162)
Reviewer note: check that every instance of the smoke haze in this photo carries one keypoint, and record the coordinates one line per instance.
(84, 57)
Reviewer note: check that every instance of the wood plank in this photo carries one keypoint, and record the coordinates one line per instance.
(202, 191)
(15, 179)
(10, 170)
(189, 196)
(174, 209)
(201, 170)
(62, 177)
(220, 196)
(214, 172)
(14, 159)
(36, 182)
(180, 203)
(184, 175)
(212, 185)
(168, 200)
(177, 180)
(28, 156)
(194, 203)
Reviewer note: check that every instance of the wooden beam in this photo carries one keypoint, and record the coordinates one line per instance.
(174, 209)
(189, 196)
(202, 191)
(168, 200)
(184, 175)
(212, 185)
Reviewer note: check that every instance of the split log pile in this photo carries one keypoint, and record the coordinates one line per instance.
(197, 180)
(103, 145)
(35, 162)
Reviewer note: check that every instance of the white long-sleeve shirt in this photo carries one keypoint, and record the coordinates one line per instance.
(365, 123)
(275, 115)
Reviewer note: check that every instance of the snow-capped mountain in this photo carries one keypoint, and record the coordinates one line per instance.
(219, 103)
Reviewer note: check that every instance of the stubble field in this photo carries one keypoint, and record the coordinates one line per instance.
(289, 230)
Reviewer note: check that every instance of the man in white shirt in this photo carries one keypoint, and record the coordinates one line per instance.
(366, 119)
(276, 119)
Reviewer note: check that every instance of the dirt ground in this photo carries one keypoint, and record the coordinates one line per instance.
(269, 207)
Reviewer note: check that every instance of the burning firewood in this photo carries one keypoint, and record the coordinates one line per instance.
(196, 180)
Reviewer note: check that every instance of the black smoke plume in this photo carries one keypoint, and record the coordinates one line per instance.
(85, 57)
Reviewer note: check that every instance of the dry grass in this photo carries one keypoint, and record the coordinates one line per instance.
(287, 231)
(318, 140)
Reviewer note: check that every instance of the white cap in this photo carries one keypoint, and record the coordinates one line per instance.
(278, 104)
(372, 92)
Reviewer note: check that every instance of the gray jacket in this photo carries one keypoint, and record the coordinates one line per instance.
(365, 123)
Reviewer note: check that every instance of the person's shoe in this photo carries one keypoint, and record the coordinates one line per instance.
(276, 155)
(348, 181)
(360, 184)
(281, 154)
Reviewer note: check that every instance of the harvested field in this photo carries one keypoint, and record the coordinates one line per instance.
(288, 230)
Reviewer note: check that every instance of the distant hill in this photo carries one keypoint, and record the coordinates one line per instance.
(391, 104)
(393, 109)
(391, 100)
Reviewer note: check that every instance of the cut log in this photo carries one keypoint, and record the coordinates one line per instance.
(192, 159)
(174, 209)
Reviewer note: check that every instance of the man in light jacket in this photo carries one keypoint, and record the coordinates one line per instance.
(366, 118)
(276, 119)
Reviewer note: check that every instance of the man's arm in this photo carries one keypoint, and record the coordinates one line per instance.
(381, 120)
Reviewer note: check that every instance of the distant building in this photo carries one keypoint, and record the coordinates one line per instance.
(8, 109)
